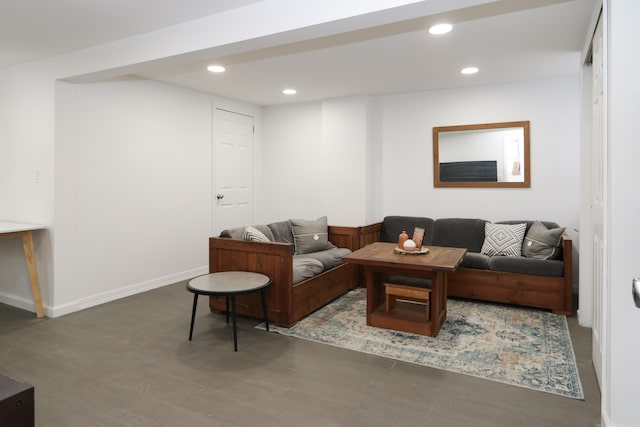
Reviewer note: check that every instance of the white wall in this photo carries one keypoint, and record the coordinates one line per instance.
(552, 107)
(315, 161)
(133, 188)
(26, 177)
(133, 179)
(345, 142)
(292, 164)
(402, 126)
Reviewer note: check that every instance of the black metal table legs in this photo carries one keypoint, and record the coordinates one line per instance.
(264, 309)
(193, 314)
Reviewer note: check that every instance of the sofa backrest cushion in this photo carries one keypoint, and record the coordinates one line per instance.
(547, 224)
(238, 232)
(232, 233)
(252, 233)
(281, 231)
(392, 226)
(310, 235)
(459, 233)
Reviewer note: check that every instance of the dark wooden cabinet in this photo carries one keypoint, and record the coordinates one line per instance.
(16, 403)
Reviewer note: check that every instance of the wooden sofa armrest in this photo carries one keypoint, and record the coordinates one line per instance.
(345, 237)
(370, 233)
(567, 258)
(273, 259)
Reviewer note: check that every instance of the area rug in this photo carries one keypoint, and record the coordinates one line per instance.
(517, 346)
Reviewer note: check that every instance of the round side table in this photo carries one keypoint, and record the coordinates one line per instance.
(229, 284)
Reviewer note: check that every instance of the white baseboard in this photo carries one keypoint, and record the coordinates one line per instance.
(582, 321)
(18, 302)
(93, 300)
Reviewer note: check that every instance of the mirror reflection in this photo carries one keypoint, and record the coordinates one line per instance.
(482, 155)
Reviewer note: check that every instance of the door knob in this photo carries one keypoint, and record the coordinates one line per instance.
(219, 196)
(635, 291)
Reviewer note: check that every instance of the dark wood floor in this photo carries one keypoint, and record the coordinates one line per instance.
(129, 363)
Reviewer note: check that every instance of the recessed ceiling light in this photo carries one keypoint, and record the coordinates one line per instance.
(469, 70)
(440, 29)
(289, 91)
(216, 68)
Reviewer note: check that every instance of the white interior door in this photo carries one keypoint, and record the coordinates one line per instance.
(233, 170)
(621, 376)
(598, 204)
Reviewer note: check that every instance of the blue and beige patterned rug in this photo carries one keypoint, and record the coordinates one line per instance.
(517, 346)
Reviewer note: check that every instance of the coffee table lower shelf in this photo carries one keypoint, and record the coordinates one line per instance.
(405, 317)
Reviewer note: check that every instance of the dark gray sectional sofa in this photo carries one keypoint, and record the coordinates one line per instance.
(523, 280)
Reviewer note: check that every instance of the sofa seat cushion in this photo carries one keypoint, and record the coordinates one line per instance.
(523, 265)
(392, 226)
(459, 233)
(305, 268)
(329, 258)
(475, 260)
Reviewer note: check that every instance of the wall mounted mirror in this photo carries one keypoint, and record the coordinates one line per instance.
(482, 155)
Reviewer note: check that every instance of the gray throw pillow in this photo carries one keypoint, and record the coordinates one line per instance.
(503, 239)
(310, 235)
(541, 242)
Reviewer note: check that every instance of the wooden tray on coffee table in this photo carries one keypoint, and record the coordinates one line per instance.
(423, 250)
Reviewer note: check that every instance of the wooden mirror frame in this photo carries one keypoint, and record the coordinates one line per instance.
(526, 183)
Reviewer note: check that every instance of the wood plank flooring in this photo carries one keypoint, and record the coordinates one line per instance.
(130, 363)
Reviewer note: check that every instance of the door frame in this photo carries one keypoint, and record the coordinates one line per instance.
(215, 225)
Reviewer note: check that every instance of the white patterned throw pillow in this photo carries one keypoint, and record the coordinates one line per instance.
(503, 239)
(251, 233)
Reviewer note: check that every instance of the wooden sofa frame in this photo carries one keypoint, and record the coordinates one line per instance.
(552, 293)
(286, 303)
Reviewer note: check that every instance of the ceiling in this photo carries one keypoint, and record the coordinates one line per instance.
(36, 29)
(508, 40)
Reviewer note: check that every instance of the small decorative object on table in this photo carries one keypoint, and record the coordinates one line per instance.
(418, 236)
(421, 251)
(409, 245)
(402, 238)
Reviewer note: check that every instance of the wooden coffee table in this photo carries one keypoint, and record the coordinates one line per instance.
(380, 262)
